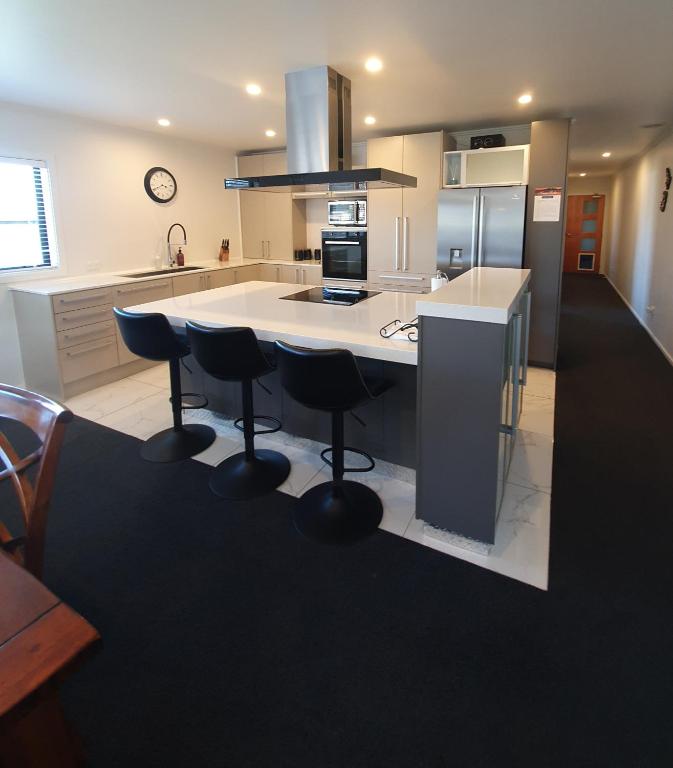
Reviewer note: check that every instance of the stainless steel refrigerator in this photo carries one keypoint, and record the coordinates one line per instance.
(480, 227)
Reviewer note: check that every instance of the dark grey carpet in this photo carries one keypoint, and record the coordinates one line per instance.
(230, 641)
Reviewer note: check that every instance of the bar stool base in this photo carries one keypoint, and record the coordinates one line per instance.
(338, 512)
(177, 444)
(237, 479)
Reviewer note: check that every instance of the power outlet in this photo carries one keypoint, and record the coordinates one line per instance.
(93, 266)
(651, 308)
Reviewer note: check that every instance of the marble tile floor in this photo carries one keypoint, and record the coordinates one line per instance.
(138, 406)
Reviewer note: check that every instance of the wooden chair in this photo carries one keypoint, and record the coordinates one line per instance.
(47, 419)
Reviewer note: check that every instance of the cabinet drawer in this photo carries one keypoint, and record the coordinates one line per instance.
(130, 295)
(78, 299)
(86, 359)
(84, 333)
(400, 281)
(85, 316)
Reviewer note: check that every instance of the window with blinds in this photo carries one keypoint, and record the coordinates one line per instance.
(27, 235)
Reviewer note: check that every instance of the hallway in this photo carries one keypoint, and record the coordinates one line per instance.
(612, 521)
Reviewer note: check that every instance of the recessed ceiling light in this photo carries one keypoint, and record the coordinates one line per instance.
(370, 120)
(270, 133)
(253, 89)
(373, 64)
(582, 174)
(606, 154)
(525, 98)
(164, 122)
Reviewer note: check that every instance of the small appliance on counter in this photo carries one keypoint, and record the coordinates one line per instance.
(438, 280)
(347, 213)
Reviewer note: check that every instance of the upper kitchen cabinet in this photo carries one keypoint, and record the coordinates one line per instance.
(492, 167)
(402, 223)
(267, 218)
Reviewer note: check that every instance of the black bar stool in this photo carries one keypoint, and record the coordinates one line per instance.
(340, 511)
(233, 354)
(149, 335)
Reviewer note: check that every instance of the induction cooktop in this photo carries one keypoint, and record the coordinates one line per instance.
(345, 297)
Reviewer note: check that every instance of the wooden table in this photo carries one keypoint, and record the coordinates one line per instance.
(40, 637)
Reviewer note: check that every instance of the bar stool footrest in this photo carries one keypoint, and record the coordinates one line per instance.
(239, 425)
(329, 463)
(189, 406)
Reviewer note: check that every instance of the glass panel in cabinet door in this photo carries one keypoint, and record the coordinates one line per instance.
(452, 162)
(503, 167)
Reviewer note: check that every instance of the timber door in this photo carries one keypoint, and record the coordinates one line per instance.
(584, 233)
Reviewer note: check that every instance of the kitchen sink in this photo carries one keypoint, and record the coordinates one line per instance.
(155, 272)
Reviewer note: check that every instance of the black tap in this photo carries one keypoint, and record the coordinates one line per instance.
(168, 240)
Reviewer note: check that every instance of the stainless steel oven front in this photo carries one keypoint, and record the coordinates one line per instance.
(344, 253)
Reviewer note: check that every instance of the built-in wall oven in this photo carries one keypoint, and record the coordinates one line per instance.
(344, 253)
(349, 213)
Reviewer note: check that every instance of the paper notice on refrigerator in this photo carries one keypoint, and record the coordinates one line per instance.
(547, 205)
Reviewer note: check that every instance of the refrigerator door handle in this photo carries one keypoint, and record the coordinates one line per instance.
(397, 243)
(405, 244)
(481, 231)
(473, 252)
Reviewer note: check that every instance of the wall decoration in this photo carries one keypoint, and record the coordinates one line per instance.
(160, 185)
(664, 196)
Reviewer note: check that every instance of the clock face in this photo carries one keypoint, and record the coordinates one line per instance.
(160, 185)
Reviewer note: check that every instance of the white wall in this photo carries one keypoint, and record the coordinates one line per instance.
(641, 258)
(105, 222)
(597, 185)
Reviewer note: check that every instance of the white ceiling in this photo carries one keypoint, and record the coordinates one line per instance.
(454, 63)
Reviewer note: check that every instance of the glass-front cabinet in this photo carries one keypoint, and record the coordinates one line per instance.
(496, 166)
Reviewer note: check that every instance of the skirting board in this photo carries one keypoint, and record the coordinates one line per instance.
(662, 349)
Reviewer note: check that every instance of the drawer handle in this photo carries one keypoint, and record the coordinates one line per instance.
(84, 298)
(86, 333)
(401, 277)
(139, 288)
(91, 349)
(80, 315)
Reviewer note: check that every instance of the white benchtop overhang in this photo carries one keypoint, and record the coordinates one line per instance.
(258, 305)
(484, 294)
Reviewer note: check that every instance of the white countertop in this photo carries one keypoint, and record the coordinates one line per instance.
(104, 279)
(484, 294)
(259, 306)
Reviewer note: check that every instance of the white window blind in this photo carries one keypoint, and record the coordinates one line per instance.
(27, 236)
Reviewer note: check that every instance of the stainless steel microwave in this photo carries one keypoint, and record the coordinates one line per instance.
(347, 213)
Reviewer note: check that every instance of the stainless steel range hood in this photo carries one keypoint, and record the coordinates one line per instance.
(318, 123)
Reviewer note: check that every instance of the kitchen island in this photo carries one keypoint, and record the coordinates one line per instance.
(453, 409)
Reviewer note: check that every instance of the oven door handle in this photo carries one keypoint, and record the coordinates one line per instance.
(341, 242)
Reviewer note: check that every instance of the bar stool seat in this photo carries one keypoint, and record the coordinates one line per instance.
(149, 335)
(234, 354)
(338, 511)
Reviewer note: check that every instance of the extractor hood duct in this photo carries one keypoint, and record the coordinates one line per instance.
(318, 124)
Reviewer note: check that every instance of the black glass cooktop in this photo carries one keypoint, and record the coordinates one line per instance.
(343, 296)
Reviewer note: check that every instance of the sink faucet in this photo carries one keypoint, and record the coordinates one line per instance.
(168, 241)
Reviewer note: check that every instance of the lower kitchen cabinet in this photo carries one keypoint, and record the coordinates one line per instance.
(70, 342)
(140, 293)
(270, 273)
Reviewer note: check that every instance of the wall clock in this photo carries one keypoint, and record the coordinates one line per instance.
(160, 185)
